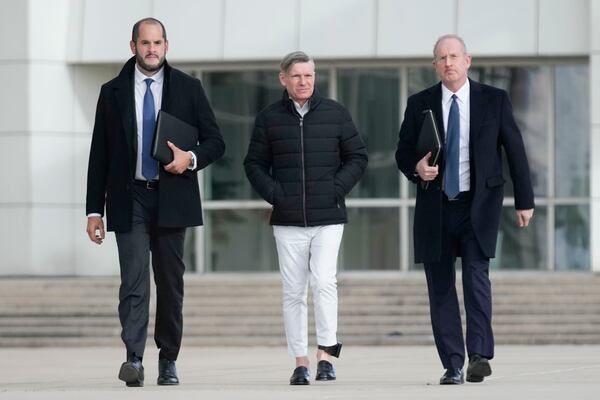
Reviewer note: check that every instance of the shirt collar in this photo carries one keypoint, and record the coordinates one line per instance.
(462, 93)
(157, 77)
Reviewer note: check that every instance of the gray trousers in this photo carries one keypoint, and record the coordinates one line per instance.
(135, 246)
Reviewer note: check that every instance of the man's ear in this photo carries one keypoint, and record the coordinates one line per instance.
(282, 79)
(132, 46)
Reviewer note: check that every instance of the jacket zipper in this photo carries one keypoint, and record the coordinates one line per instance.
(303, 172)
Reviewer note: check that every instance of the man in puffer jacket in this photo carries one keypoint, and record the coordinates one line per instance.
(304, 158)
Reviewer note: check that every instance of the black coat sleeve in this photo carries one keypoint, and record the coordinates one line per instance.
(98, 161)
(406, 157)
(258, 162)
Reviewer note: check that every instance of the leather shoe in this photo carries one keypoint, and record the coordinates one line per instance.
(167, 373)
(132, 371)
(453, 376)
(325, 371)
(300, 376)
(479, 368)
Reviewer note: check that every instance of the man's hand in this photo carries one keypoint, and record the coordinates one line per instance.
(181, 160)
(426, 172)
(95, 229)
(523, 217)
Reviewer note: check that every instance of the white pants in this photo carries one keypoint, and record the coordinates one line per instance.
(308, 253)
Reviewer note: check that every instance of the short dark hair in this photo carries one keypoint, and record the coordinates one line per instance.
(292, 58)
(135, 32)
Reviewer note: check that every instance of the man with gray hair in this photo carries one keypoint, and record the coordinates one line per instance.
(304, 157)
(459, 201)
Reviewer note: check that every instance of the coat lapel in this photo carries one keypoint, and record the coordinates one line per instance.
(126, 103)
(476, 99)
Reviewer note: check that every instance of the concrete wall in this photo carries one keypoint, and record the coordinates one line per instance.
(56, 53)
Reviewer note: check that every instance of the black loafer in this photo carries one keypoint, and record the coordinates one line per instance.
(479, 368)
(300, 376)
(453, 376)
(167, 373)
(132, 372)
(325, 371)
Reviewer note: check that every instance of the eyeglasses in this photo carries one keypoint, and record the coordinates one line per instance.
(451, 57)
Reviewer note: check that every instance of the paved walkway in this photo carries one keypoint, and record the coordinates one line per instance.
(520, 372)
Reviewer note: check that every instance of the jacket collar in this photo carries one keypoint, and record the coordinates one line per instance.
(315, 99)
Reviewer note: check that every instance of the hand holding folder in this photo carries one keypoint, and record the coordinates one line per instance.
(174, 130)
(429, 141)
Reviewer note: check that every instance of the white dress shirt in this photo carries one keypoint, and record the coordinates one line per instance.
(464, 105)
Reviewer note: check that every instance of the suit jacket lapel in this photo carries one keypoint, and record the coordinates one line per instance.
(476, 99)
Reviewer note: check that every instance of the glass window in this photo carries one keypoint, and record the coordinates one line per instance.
(370, 240)
(572, 133)
(572, 237)
(373, 99)
(521, 248)
(239, 240)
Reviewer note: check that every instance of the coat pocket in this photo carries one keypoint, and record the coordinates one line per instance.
(494, 181)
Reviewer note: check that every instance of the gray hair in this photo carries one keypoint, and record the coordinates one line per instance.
(135, 32)
(293, 58)
(449, 36)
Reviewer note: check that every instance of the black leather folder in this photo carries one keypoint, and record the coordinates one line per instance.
(176, 131)
(429, 138)
(429, 141)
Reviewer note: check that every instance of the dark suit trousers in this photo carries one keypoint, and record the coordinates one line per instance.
(458, 239)
(135, 246)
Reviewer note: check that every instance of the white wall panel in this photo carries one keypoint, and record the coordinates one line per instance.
(15, 167)
(13, 29)
(81, 154)
(51, 99)
(338, 28)
(48, 29)
(52, 163)
(52, 241)
(409, 29)
(498, 28)
(14, 97)
(260, 29)
(15, 240)
(564, 27)
(194, 28)
(107, 28)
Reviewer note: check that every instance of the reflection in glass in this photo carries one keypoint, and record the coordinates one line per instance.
(572, 230)
(521, 248)
(239, 240)
(370, 240)
(373, 99)
(236, 98)
(572, 130)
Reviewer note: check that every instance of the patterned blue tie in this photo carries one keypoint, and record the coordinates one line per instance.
(452, 150)
(149, 164)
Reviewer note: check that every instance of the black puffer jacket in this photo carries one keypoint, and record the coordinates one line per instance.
(305, 166)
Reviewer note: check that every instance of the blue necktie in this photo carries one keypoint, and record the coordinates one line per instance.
(149, 164)
(452, 150)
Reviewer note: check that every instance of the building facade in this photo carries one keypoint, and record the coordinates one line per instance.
(370, 54)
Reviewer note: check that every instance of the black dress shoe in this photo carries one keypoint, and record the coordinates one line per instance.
(479, 368)
(325, 371)
(167, 373)
(132, 372)
(453, 376)
(300, 376)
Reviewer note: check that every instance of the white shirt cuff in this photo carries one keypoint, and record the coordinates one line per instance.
(94, 215)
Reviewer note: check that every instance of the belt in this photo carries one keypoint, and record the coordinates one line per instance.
(462, 196)
(150, 185)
